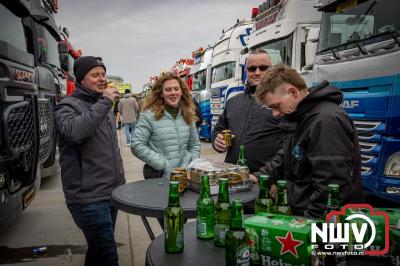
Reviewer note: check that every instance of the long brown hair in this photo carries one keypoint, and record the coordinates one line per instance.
(156, 103)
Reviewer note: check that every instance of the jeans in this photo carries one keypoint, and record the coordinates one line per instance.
(129, 128)
(97, 222)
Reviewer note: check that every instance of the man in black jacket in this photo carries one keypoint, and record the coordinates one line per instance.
(324, 148)
(91, 164)
(253, 125)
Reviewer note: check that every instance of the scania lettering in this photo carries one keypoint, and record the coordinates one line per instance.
(288, 31)
(201, 78)
(359, 52)
(227, 68)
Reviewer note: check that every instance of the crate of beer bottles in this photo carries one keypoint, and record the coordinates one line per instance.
(238, 176)
(280, 240)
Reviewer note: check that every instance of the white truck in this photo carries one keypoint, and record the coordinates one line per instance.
(287, 30)
(201, 83)
(227, 68)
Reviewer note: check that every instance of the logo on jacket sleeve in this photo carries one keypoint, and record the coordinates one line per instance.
(297, 152)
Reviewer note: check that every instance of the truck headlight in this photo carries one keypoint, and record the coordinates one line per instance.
(392, 167)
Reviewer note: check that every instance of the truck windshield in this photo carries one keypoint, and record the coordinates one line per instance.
(223, 71)
(199, 80)
(280, 50)
(221, 47)
(12, 30)
(48, 47)
(345, 24)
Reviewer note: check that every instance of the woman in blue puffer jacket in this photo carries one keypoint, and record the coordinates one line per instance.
(166, 136)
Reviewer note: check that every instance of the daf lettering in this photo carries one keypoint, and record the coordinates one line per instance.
(350, 104)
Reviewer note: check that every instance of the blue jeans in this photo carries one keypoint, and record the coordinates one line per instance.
(129, 128)
(97, 222)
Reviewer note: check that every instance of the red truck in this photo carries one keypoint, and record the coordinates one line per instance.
(182, 69)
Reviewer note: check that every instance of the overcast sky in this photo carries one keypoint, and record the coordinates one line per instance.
(139, 39)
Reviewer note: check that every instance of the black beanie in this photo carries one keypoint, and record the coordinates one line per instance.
(84, 64)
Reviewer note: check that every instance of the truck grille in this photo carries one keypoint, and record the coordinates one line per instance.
(46, 128)
(367, 146)
(369, 135)
(367, 125)
(367, 158)
(19, 127)
(366, 135)
(366, 170)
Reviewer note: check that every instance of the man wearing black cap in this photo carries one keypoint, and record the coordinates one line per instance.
(91, 164)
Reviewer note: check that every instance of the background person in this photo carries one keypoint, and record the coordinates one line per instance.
(116, 113)
(253, 125)
(166, 136)
(128, 108)
(324, 148)
(91, 165)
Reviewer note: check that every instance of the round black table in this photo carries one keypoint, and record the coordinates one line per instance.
(149, 198)
(195, 251)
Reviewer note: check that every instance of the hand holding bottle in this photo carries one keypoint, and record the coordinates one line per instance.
(111, 93)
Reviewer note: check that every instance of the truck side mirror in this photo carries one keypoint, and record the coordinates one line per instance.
(64, 62)
(63, 48)
(242, 63)
(311, 47)
(63, 52)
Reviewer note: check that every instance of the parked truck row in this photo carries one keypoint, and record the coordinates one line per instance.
(355, 45)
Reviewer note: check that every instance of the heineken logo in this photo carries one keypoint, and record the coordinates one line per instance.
(269, 261)
(289, 244)
(243, 256)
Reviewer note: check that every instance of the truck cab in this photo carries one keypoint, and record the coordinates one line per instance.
(19, 125)
(227, 67)
(359, 52)
(50, 78)
(282, 28)
(30, 79)
(201, 77)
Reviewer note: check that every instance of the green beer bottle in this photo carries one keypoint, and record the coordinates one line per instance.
(237, 241)
(332, 203)
(242, 157)
(222, 213)
(264, 202)
(281, 205)
(205, 211)
(173, 221)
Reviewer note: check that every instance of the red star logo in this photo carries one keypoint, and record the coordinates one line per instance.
(289, 244)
